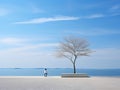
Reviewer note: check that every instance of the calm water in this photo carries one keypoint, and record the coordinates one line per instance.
(56, 71)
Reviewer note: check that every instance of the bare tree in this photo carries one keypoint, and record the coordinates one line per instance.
(73, 47)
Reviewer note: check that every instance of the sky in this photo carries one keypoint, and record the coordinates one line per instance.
(30, 31)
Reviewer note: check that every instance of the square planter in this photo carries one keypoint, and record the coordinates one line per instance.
(72, 75)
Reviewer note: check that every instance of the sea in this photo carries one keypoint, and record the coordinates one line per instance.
(57, 72)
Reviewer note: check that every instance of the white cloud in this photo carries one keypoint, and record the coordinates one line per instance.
(29, 48)
(59, 18)
(94, 16)
(4, 11)
(93, 32)
(115, 7)
(23, 41)
(107, 54)
(64, 18)
(115, 10)
(28, 54)
(102, 58)
(43, 20)
(11, 40)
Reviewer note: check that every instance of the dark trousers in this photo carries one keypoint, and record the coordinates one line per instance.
(45, 74)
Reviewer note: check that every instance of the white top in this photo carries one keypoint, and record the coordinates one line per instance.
(45, 71)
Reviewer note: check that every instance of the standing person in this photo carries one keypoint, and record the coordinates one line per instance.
(45, 72)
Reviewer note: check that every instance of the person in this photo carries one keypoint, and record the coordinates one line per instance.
(45, 72)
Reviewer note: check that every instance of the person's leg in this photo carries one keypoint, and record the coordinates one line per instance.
(44, 74)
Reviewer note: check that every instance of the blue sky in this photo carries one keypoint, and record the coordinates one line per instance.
(30, 30)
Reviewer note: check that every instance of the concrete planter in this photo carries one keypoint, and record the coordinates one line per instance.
(72, 75)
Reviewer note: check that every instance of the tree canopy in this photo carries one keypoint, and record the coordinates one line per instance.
(72, 48)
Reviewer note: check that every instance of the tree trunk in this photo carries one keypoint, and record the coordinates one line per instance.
(74, 64)
(74, 68)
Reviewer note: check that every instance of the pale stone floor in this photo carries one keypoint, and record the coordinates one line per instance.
(58, 83)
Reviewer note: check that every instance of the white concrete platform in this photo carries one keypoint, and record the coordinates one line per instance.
(58, 83)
